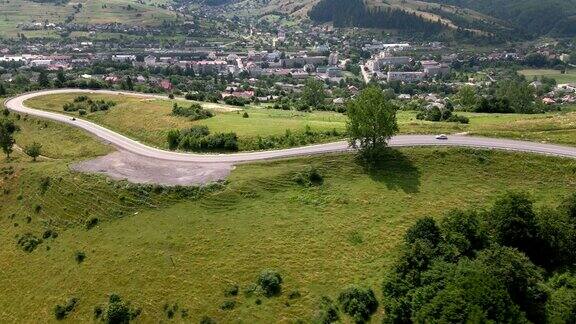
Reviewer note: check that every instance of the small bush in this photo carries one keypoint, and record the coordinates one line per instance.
(118, 311)
(327, 311)
(360, 303)
(251, 289)
(49, 233)
(194, 112)
(270, 281)
(245, 115)
(309, 177)
(231, 291)
(170, 310)
(98, 311)
(198, 138)
(28, 242)
(91, 223)
(207, 320)
(235, 101)
(294, 294)
(45, 184)
(458, 119)
(61, 312)
(79, 256)
(228, 305)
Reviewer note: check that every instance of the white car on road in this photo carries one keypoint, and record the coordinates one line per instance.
(442, 137)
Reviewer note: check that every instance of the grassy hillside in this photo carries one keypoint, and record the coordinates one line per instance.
(485, 17)
(532, 16)
(153, 250)
(139, 13)
(156, 246)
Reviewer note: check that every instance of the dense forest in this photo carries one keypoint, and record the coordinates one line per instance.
(533, 17)
(511, 263)
(354, 13)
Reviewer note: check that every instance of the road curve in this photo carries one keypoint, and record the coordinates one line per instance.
(122, 142)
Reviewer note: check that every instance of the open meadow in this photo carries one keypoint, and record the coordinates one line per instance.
(157, 246)
(149, 120)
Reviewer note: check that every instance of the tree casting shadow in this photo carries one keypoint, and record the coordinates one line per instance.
(394, 169)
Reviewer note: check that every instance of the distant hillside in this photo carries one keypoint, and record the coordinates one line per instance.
(128, 12)
(535, 17)
(510, 18)
(348, 13)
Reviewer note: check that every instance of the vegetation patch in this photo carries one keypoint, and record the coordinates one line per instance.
(358, 302)
(198, 138)
(270, 282)
(498, 260)
(309, 177)
(62, 311)
(84, 104)
(193, 112)
(116, 311)
(28, 242)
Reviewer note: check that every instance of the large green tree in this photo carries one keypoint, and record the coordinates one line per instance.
(371, 122)
(313, 93)
(7, 130)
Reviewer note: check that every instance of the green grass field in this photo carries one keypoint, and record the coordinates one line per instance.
(156, 246)
(149, 120)
(568, 77)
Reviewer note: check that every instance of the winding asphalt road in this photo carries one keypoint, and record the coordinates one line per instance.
(124, 143)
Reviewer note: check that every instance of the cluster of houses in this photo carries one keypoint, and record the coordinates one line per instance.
(254, 64)
(385, 65)
(561, 94)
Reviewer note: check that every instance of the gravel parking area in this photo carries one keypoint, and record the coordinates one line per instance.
(123, 165)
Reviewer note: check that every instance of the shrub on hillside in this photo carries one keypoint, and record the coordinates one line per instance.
(62, 311)
(199, 96)
(117, 311)
(198, 138)
(309, 177)
(228, 305)
(28, 242)
(79, 256)
(358, 302)
(327, 311)
(231, 291)
(236, 101)
(194, 112)
(271, 282)
(82, 104)
(90, 223)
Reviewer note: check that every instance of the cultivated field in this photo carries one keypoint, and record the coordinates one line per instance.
(149, 121)
(155, 246)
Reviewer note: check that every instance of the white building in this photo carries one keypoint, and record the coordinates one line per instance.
(405, 76)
